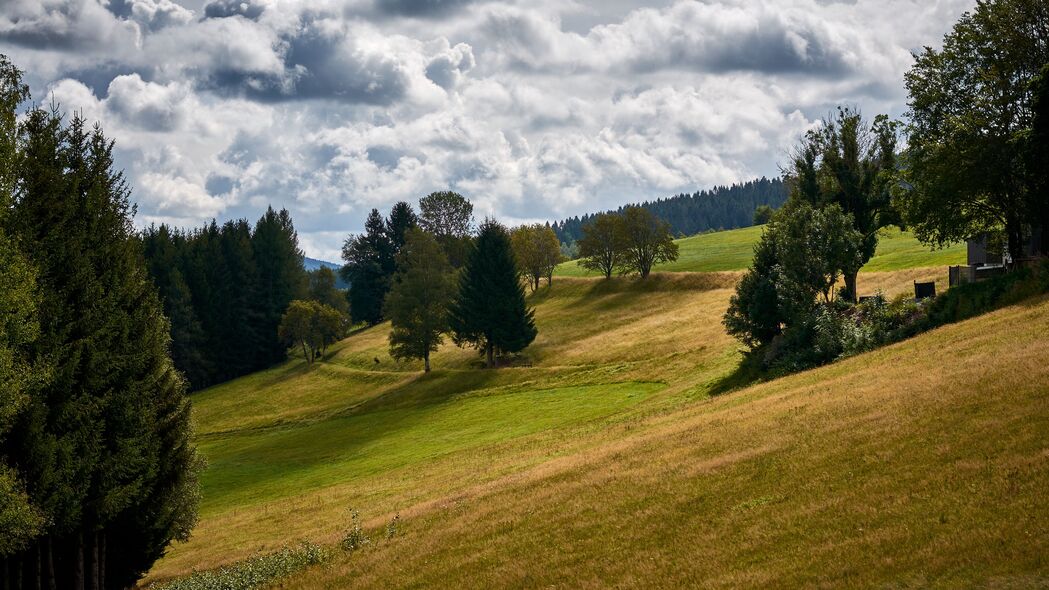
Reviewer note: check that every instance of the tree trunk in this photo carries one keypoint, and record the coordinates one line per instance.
(51, 583)
(490, 353)
(850, 286)
(426, 362)
(78, 562)
(305, 354)
(102, 560)
(38, 575)
(6, 574)
(94, 562)
(1014, 232)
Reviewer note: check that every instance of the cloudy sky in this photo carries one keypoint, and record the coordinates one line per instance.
(533, 109)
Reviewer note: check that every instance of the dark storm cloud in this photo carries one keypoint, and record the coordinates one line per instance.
(420, 8)
(228, 8)
(769, 49)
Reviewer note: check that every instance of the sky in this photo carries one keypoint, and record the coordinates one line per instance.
(533, 109)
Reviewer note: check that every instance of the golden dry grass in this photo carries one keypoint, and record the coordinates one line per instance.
(921, 464)
(599, 459)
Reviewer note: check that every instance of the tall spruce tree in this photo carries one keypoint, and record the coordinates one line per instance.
(281, 279)
(402, 218)
(489, 311)
(106, 441)
(369, 266)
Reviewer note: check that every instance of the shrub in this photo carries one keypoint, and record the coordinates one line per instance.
(355, 537)
(253, 572)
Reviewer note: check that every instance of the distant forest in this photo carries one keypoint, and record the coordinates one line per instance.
(722, 207)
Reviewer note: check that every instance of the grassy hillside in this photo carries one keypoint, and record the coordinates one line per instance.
(585, 433)
(732, 250)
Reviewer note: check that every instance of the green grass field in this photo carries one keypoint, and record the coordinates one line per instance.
(732, 250)
(608, 456)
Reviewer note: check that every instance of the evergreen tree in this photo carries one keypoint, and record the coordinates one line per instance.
(281, 279)
(20, 521)
(417, 303)
(402, 218)
(369, 266)
(489, 311)
(106, 440)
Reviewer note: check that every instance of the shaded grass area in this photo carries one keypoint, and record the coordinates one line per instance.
(732, 250)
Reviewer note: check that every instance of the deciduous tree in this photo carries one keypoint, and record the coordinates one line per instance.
(537, 252)
(417, 304)
(600, 247)
(644, 241)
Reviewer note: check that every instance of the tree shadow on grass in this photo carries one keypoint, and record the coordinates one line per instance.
(747, 373)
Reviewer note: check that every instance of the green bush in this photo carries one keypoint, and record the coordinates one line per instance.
(253, 572)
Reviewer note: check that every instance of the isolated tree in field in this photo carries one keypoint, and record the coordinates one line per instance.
(321, 288)
(489, 311)
(851, 163)
(118, 482)
(417, 304)
(537, 252)
(449, 217)
(644, 241)
(369, 266)
(970, 103)
(600, 247)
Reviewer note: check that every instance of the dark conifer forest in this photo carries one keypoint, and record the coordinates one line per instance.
(722, 207)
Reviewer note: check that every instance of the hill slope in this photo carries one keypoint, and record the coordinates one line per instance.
(732, 250)
(599, 451)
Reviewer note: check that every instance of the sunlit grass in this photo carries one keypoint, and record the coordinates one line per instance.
(733, 249)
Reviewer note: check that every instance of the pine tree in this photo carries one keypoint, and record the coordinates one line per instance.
(417, 303)
(489, 311)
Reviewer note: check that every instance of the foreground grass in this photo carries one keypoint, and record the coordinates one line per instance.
(293, 449)
(732, 250)
(921, 464)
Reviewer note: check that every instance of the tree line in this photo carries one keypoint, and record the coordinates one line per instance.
(722, 207)
(975, 163)
(225, 289)
(97, 471)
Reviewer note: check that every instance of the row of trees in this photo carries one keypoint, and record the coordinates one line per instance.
(97, 472)
(482, 305)
(631, 241)
(225, 289)
(722, 207)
